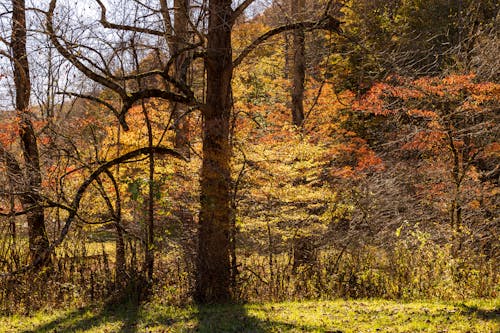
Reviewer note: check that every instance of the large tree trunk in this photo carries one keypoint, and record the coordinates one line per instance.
(38, 240)
(214, 274)
(299, 65)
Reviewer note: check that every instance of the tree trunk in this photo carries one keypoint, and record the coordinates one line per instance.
(213, 269)
(299, 65)
(150, 234)
(120, 264)
(38, 240)
(181, 40)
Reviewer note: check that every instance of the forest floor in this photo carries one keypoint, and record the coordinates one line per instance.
(309, 316)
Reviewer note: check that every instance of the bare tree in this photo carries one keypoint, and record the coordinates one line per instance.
(213, 266)
(31, 187)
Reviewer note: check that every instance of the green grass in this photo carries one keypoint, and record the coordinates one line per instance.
(310, 316)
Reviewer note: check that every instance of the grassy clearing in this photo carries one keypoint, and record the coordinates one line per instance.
(310, 316)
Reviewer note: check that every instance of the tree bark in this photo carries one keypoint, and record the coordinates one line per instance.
(30, 199)
(120, 265)
(150, 227)
(299, 65)
(181, 40)
(213, 267)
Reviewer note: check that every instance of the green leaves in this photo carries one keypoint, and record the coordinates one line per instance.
(138, 189)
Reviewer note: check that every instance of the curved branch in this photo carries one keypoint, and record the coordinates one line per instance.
(158, 93)
(74, 60)
(328, 22)
(240, 9)
(120, 116)
(105, 23)
(93, 176)
(75, 204)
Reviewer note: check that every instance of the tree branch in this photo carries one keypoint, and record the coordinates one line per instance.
(74, 60)
(105, 23)
(75, 204)
(119, 115)
(240, 9)
(326, 23)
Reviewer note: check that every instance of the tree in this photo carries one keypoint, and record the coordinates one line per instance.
(413, 38)
(214, 271)
(180, 41)
(448, 126)
(299, 65)
(27, 183)
(213, 279)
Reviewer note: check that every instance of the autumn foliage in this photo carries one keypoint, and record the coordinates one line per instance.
(388, 188)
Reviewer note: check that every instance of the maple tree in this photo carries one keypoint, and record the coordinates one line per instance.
(448, 125)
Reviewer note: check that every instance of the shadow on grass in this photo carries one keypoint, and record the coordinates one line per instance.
(227, 318)
(120, 314)
(235, 318)
(123, 316)
(484, 314)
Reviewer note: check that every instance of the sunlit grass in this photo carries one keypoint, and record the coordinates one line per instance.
(310, 316)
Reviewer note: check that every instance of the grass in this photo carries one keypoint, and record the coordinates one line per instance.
(311, 316)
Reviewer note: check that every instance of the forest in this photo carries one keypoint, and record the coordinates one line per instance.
(249, 166)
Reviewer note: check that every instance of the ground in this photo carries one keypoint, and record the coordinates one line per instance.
(309, 316)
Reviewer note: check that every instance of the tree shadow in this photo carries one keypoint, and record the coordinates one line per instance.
(226, 318)
(124, 316)
(235, 318)
(484, 314)
(121, 311)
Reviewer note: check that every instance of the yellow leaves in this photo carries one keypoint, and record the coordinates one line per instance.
(244, 33)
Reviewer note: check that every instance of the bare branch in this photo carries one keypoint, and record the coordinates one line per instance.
(74, 60)
(75, 204)
(120, 116)
(326, 23)
(240, 9)
(105, 23)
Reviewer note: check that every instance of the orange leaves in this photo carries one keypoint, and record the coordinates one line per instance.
(353, 158)
(6, 137)
(485, 92)
(44, 140)
(430, 107)
(452, 85)
(492, 150)
(399, 94)
(458, 80)
(368, 159)
(424, 141)
(422, 113)
(9, 130)
(373, 102)
(327, 133)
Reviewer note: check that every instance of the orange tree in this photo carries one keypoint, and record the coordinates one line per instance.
(448, 127)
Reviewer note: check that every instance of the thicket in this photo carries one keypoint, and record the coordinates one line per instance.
(389, 188)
